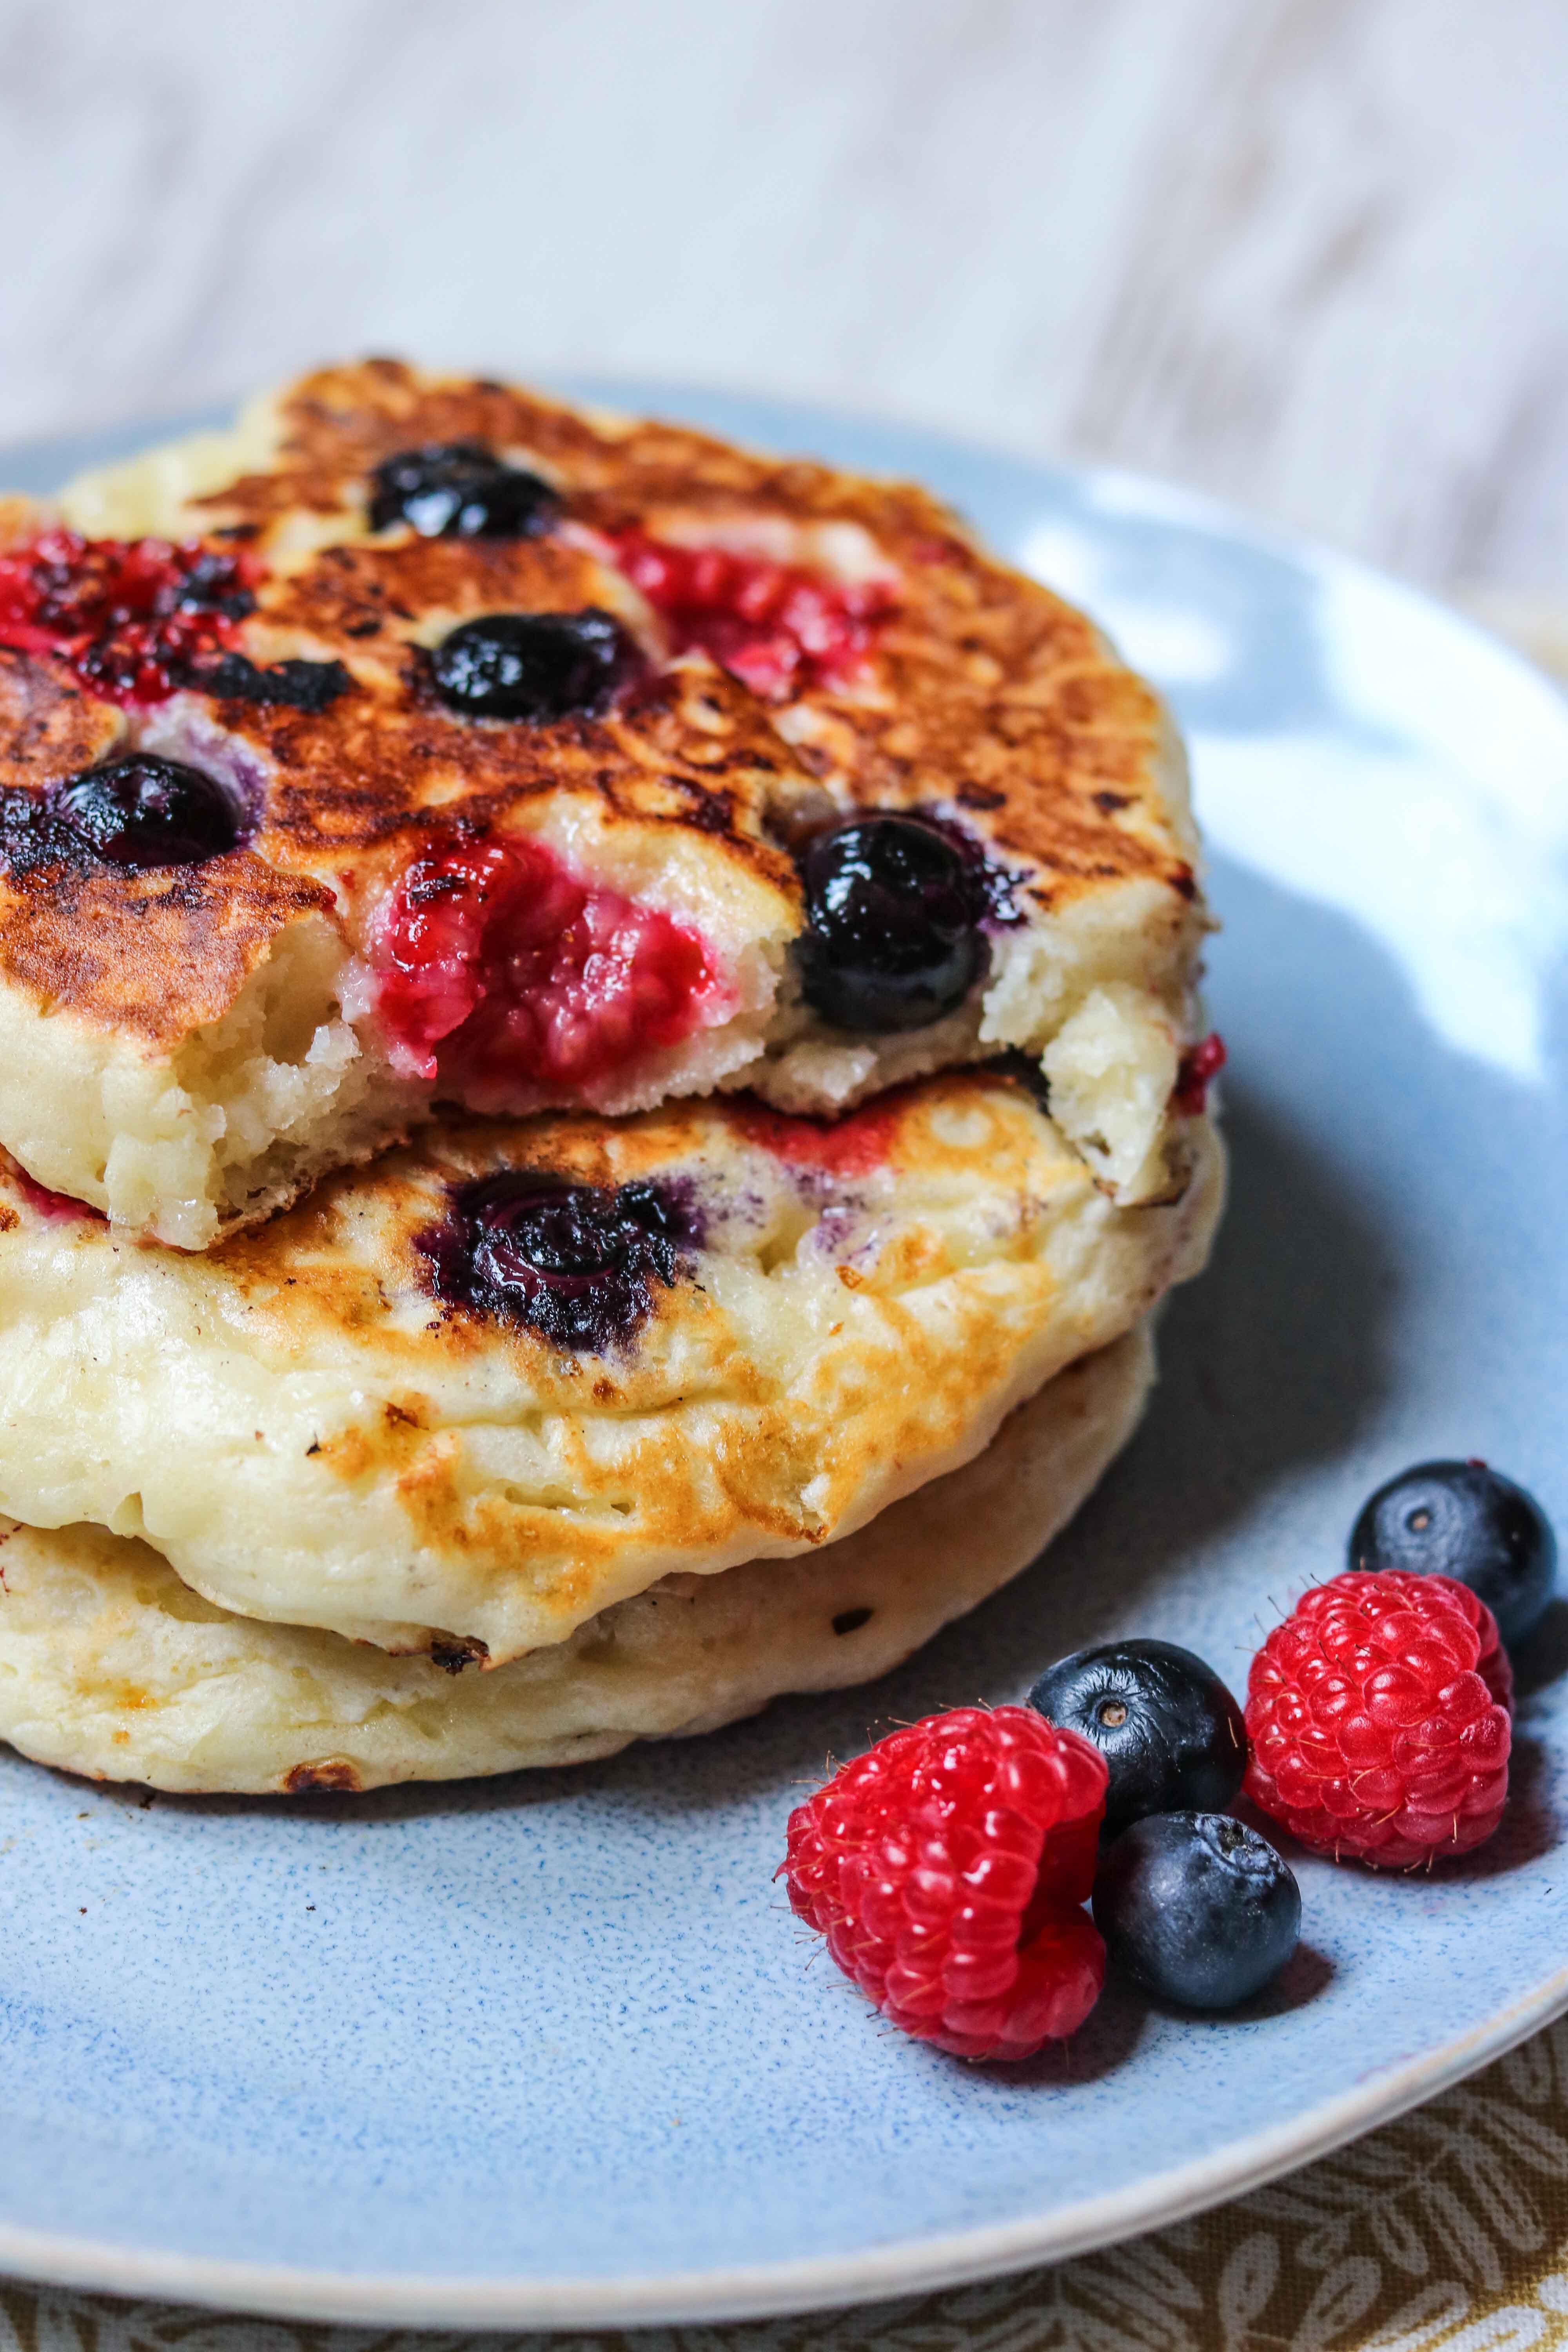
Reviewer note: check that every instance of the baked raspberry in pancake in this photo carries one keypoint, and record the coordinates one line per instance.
(428, 742)
(518, 1371)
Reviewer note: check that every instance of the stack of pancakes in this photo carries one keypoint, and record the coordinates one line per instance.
(468, 1298)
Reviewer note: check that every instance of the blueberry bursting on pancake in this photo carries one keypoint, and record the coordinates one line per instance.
(428, 742)
(574, 1262)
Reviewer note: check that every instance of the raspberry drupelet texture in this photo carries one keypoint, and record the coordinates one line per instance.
(776, 626)
(946, 1868)
(133, 619)
(1378, 1717)
(500, 969)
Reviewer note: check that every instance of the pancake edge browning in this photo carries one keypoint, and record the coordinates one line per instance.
(111, 1668)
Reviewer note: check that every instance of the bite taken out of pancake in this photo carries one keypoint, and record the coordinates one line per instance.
(524, 739)
(518, 1371)
(111, 1667)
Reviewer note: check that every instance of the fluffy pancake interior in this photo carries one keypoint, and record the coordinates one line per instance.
(243, 1113)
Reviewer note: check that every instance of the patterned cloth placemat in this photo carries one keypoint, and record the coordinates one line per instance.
(1446, 2232)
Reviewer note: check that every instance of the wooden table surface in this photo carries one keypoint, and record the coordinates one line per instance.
(1312, 254)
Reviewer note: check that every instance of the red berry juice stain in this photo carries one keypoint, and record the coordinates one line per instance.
(53, 1205)
(499, 967)
(777, 627)
(1198, 1067)
(848, 1147)
(131, 618)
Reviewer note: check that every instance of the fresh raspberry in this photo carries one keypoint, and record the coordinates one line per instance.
(946, 1867)
(1378, 1715)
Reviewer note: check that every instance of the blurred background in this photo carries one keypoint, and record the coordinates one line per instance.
(1309, 254)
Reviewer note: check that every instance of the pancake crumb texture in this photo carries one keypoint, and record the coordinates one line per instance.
(808, 1322)
(193, 1047)
(111, 1667)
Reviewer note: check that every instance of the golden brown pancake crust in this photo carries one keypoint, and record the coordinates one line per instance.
(111, 1666)
(153, 954)
(846, 1311)
(48, 727)
(991, 692)
(984, 694)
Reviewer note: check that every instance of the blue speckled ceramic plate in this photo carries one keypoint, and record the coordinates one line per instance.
(548, 2049)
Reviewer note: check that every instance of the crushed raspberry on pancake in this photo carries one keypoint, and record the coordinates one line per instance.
(498, 968)
(132, 617)
(55, 1206)
(1200, 1065)
(777, 627)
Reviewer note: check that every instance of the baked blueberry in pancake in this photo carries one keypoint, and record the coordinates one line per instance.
(517, 1372)
(550, 758)
(111, 1666)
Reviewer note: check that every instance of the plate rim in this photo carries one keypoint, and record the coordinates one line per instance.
(772, 2290)
(898, 2268)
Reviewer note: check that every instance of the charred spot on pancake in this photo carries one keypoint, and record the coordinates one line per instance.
(34, 839)
(460, 489)
(333, 1773)
(453, 1651)
(576, 1263)
(48, 727)
(295, 684)
(536, 667)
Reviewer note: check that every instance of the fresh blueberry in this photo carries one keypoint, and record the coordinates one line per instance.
(1165, 1724)
(894, 915)
(1197, 1907)
(145, 811)
(534, 666)
(460, 489)
(1464, 1520)
(574, 1262)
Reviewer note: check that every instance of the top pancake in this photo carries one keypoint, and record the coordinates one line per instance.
(197, 1043)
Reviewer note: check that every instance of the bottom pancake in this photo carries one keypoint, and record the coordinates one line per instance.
(109, 1666)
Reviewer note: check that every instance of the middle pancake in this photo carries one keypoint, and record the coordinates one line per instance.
(466, 1399)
